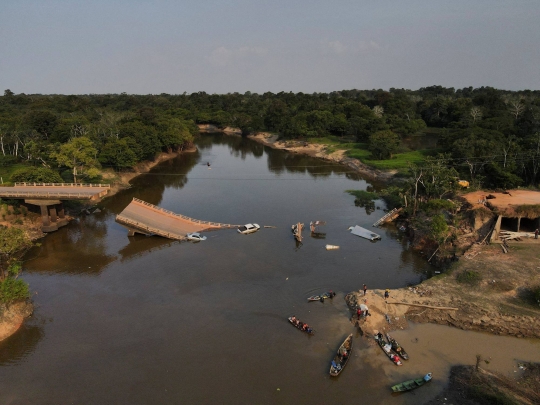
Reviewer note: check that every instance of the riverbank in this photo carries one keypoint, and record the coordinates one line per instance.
(487, 290)
(317, 150)
(120, 180)
(12, 317)
(471, 386)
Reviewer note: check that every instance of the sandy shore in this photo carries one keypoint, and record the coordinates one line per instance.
(320, 151)
(498, 302)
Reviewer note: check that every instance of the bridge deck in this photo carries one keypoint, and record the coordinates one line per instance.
(60, 191)
(149, 219)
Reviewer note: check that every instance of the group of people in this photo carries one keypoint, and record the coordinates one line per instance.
(301, 325)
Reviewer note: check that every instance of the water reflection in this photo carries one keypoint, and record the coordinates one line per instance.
(140, 245)
(23, 343)
(85, 237)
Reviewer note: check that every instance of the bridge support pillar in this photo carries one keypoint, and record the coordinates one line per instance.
(52, 213)
(49, 214)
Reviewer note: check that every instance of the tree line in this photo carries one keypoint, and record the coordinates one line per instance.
(487, 135)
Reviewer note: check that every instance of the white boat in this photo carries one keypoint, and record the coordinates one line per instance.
(249, 228)
(332, 247)
(364, 233)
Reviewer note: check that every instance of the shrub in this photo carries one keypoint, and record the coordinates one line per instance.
(437, 205)
(37, 175)
(13, 289)
(469, 277)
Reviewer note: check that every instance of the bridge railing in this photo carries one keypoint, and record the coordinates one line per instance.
(25, 184)
(186, 218)
(48, 195)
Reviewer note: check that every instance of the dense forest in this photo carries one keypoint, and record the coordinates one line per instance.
(487, 135)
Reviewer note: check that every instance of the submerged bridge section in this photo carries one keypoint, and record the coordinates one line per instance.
(48, 197)
(148, 219)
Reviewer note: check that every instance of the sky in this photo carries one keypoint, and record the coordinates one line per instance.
(166, 46)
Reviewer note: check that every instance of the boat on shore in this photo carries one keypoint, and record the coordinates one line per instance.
(342, 357)
(412, 384)
(304, 327)
(396, 347)
(387, 349)
(322, 297)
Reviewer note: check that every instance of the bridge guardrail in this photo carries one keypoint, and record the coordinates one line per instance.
(60, 196)
(25, 184)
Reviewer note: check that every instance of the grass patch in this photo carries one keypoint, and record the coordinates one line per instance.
(470, 277)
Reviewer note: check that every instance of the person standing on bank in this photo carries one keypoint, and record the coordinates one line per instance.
(536, 233)
(365, 289)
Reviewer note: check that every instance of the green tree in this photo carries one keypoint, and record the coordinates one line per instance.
(438, 228)
(383, 144)
(117, 153)
(78, 154)
(36, 175)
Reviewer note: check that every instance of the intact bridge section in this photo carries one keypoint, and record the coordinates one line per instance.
(148, 219)
(49, 196)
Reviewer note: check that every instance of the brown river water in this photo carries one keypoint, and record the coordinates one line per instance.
(145, 320)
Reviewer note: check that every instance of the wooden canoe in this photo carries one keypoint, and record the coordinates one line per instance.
(342, 357)
(396, 347)
(300, 325)
(411, 384)
(387, 349)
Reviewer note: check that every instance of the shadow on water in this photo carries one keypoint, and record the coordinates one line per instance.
(17, 347)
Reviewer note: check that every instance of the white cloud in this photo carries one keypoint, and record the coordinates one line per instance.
(223, 56)
(333, 47)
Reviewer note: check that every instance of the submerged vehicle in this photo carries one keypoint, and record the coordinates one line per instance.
(412, 384)
(396, 347)
(342, 357)
(304, 327)
(195, 237)
(249, 228)
(387, 349)
(322, 297)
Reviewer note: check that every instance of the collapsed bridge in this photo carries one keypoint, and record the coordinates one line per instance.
(148, 219)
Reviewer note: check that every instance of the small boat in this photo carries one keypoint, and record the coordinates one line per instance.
(300, 325)
(331, 247)
(249, 228)
(412, 384)
(396, 347)
(322, 297)
(342, 357)
(297, 231)
(387, 349)
(364, 233)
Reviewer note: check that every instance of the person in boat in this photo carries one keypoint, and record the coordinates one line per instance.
(208, 164)
(394, 358)
(379, 336)
(332, 294)
(305, 327)
(294, 320)
(344, 355)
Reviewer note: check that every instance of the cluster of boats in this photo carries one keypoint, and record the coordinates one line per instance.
(390, 346)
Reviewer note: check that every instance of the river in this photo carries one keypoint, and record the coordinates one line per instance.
(140, 320)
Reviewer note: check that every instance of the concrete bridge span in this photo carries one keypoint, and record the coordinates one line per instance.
(48, 197)
(148, 219)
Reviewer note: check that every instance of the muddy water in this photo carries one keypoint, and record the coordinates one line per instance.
(145, 320)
